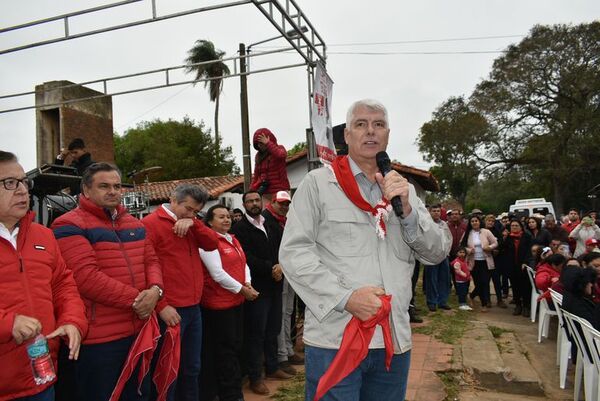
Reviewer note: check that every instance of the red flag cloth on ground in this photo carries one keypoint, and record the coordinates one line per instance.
(168, 362)
(143, 347)
(355, 347)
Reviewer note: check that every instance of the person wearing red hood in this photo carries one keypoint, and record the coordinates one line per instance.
(39, 295)
(270, 174)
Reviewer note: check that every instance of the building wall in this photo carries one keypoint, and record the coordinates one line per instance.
(58, 125)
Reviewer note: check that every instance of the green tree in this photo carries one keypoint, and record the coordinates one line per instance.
(182, 148)
(204, 51)
(451, 140)
(543, 95)
(299, 147)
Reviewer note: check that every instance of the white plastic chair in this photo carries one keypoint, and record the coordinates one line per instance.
(592, 336)
(534, 293)
(544, 319)
(563, 345)
(584, 368)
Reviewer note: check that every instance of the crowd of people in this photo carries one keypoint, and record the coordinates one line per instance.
(497, 250)
(175, 307)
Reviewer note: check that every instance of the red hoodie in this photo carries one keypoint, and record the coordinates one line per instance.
(36, 283)
(270, 166)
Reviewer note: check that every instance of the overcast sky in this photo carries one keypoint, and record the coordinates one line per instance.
(443, 48)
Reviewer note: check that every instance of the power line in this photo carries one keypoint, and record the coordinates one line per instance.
(419, 53)
(425, 41)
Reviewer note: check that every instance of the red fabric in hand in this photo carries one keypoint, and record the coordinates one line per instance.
(168, 362)
(355, 347)
(143, 347)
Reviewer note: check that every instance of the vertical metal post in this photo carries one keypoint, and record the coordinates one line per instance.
(245, 121)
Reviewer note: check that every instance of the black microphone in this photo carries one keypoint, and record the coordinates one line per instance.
(385, 166)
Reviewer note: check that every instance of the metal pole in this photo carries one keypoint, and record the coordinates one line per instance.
(245, 122)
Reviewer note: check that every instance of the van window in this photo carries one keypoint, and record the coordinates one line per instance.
(521, 213)
(541, 210)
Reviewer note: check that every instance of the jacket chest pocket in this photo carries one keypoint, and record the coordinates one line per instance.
(347, 232)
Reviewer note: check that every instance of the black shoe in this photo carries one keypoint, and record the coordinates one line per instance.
(445, 307)
(518, 310)
(414, 318)
(432, 308)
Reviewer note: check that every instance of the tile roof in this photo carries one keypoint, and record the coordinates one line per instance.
(159, 192)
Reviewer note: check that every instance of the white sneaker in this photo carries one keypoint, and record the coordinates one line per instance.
(465, 307)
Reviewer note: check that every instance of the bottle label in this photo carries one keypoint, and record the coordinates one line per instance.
(37, 348)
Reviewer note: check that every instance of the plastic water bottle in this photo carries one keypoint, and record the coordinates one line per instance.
(41, 360)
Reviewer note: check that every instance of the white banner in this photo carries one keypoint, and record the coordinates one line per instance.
(321, 115)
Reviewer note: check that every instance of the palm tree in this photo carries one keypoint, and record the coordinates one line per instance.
(203, 51)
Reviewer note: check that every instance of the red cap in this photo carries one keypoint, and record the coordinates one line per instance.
(283, 196)
(591, 241)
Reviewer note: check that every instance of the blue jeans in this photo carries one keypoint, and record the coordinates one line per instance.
(46, 395)
(437, 280)
(370, 381)
(99, 367)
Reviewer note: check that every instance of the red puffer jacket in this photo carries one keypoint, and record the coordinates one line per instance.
(183, 272)
(270, 167)
(112, 261)
(233, 260)
(544, 275)
(35, 282)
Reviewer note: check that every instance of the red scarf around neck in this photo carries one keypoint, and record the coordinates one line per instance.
(516, 240)
(281, 219)
(344, 176)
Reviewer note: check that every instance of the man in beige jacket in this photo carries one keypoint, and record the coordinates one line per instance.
(340, 256)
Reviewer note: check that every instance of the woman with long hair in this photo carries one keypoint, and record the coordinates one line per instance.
(539, 235)
(480, 243)
(518, 246)
(498, 274)
(226, 287)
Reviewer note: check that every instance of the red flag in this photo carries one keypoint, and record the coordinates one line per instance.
(143, 347)
(355, 347)
(168, 362)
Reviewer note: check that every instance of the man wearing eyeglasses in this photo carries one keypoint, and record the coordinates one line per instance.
(39, 295)
(119, 278)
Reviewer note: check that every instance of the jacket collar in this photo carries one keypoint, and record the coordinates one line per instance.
(102, 213)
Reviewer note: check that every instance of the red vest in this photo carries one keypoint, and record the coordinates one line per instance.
(234, 263)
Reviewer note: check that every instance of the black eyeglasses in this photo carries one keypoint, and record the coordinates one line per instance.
(10, 184)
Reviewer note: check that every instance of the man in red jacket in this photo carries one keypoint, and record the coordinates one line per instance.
(177, 234)
(118, 276)
(38, 291)
(270, 174)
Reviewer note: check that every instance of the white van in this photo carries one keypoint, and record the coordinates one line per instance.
(529, 207)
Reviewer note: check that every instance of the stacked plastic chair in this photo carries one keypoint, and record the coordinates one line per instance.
(563, 345)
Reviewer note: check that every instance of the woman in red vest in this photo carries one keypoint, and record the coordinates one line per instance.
(226, 287)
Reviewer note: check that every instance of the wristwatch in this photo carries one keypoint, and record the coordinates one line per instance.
(160, 291)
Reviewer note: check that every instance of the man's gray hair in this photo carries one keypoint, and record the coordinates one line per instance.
(193, 191)
(370, 104)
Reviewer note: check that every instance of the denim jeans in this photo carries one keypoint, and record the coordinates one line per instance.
(437, 280)
(262, 324)
(46, 395)
(370, 381)
(99, 367)
(186, 385)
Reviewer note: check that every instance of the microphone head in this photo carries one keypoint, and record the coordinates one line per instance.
(383, 161)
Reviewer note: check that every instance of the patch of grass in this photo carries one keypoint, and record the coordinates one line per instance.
(446, 326)
(451, 383)
(291, 391)
(498, 331)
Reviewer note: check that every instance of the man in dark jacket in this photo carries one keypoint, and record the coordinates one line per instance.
(39, 295)
(80, 157)
(260, 242)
